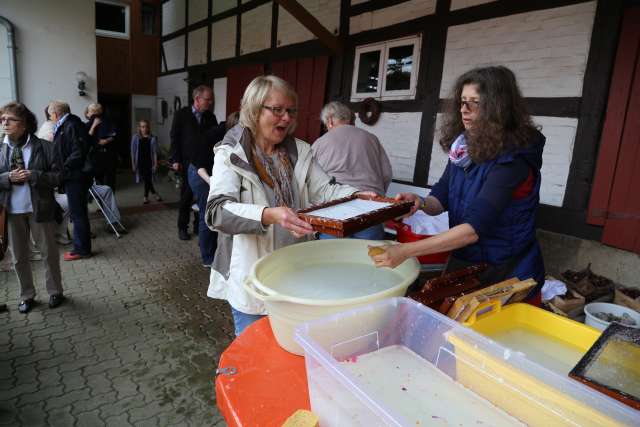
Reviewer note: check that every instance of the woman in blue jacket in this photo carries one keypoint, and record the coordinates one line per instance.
(490, 186)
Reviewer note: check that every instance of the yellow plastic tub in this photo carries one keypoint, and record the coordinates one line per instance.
(527, 393)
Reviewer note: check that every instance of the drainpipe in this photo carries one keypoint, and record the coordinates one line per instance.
(11, 45)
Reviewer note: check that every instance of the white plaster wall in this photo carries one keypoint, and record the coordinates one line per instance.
(143, 101)
(5, 70)
(291, 31)
(198, 10)
(173, 16)
(256, 29)
(391, 15)
(53, 43)
(398, 133)
(223, 39)
(556, 157)
(169, 87)
(174, 53)
(547, 49)
(462, 4)
(220, 92)
(222, 5)
(438, 157)
(197, 47)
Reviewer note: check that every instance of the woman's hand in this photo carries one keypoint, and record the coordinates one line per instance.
(410, 197)
(392, 256)
(287, 219)
(19, 176)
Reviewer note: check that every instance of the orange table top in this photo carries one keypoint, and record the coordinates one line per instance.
(269, 384)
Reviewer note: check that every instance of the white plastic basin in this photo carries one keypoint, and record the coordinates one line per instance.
(314, 279)
(604, 307)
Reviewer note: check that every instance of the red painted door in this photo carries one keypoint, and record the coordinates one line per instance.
(309, 77)
(237, 80)
(615, 198)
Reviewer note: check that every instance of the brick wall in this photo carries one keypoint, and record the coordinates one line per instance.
(291, 31)
(256, 29)
(398, 133)
(223, 39)
(546, 49)
(391, 15)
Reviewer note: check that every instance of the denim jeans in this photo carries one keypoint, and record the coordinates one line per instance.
(207, 239)
(372, 233)
(77, 195)
(242, 320)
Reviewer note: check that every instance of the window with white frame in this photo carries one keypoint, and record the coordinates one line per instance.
(387, 70)
(112, 19)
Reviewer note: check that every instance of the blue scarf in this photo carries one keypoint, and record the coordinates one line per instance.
(458, 152)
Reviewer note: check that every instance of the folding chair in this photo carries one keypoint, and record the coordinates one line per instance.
(111, 213)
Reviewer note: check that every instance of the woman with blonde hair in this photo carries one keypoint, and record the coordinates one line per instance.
(144, 158)
(261, 175)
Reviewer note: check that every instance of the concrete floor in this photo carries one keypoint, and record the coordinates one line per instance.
(137, 341)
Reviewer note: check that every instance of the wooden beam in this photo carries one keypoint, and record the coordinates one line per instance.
(312, 24)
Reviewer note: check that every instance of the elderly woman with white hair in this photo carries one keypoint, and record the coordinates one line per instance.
(261, 175)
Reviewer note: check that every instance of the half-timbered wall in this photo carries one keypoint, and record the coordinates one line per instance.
(561, 51)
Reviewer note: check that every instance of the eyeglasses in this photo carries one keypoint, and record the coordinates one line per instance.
(9, 119)
(279, 111)
(471, 105)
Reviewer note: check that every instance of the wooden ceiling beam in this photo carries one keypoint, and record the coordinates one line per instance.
(312, 24)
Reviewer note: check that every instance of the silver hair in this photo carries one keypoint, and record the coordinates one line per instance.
(199, 90)
(257, 93)
(59, 107)
(337, 110)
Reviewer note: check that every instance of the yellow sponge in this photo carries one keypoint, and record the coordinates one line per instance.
(302, 418)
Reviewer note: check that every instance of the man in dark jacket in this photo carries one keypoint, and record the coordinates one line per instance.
(72, 146)
(189, 130)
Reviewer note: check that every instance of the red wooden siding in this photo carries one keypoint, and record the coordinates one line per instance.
(237, 80)
(308, 76)
(615, 198)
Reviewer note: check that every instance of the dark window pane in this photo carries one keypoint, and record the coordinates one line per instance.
(110, 17)
(148, 19)
(399, 66)
(368, 72)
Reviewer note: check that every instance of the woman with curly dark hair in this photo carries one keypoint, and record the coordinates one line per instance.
(490, 186)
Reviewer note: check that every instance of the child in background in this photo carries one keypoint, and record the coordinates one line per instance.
(144, 158)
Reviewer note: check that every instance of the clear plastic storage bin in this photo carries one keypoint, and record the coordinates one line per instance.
(418, 367)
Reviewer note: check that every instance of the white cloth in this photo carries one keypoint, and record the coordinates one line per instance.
(46, 130)
(552, 288)
(421, 223)
(20, 201)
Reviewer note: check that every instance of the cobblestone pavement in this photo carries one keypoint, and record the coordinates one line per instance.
(136, 343)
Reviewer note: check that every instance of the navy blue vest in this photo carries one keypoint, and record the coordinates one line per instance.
(513, 234)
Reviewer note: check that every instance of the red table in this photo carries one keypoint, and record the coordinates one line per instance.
(269, 383)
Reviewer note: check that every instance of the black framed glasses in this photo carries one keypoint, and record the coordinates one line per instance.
(279, 111)
(9, 119)
(471, 105)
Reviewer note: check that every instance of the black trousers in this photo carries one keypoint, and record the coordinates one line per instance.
(186, 201)
(105, 168)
